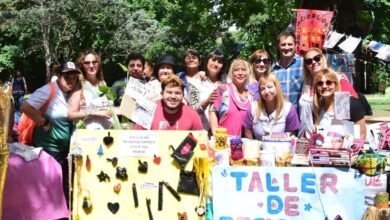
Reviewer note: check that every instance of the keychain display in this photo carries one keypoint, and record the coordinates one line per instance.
(108, 140)
(113, 207)
(183, 153)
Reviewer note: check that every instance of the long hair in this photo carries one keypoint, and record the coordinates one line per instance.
(317, 99)
(257, 55)
(237, 62)
(218, 55)
(80, 63)
(307, 77)
(279, 95)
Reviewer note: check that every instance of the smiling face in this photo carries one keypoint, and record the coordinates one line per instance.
(172, 97)
(191, 61)
(240, 74)
(214, 67)
(261, 65)
(135, 68)
(314, 62)
(68, 81)
(164, 71)
(91, 66)
(286, 46)
(326, 87)
(268, 91)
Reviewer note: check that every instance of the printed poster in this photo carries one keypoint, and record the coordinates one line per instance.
(312, 28)
(287, 193)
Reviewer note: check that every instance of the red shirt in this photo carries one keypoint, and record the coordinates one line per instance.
(186, 118)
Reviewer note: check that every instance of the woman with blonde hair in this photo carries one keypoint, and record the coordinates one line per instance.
(315, 62)
(326, 84)
(260, 62)
(233, 100)
(271, 113)
(88, 103)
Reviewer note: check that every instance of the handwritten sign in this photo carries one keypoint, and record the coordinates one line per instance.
(143, 117)
(341, 110)
(135, 88)
(286, 193)
(139, 145)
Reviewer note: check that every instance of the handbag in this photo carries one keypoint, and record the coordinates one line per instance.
(187, 183)
(185, 150)
(26, 125)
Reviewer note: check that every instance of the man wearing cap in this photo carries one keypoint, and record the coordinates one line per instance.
(135, 66)
(53, 129)
(171, 113)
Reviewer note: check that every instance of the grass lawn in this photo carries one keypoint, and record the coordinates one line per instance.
(380, 104)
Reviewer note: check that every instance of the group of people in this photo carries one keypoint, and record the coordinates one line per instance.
(255, 98)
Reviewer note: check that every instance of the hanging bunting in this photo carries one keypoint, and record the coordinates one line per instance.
(375, 46)
(332, 40)
(312, 28)
(384, 53)
(350, 44)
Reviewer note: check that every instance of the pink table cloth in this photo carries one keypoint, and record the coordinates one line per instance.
(33, 190)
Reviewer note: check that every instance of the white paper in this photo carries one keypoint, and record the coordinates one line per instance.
(342, 106)
(350, 44)
(143, 117)
(334, 37)
(135, 89)
(384, 53)
(138, 145)
(375, 46)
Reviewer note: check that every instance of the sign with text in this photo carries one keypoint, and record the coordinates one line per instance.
(312, 28)
(139, 145)
(262, 193)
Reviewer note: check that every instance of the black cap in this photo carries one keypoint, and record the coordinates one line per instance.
(69, 67)
(166, 59)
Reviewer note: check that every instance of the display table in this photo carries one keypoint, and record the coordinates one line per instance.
(33, 189)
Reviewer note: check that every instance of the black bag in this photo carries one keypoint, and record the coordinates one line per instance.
(187, 183)
(185, 150)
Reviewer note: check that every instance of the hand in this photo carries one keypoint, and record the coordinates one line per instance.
(102, 113)
(213, 96)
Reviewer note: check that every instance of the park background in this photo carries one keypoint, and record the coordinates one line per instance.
(36, 33)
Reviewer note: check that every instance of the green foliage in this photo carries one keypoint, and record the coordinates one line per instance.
(108, 92)
(8, 55)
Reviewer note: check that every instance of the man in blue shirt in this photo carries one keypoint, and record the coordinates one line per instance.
(289, 68)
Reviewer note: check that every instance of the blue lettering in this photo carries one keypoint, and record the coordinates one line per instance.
(274, 205)
(238, 176)
(270, 188)
(308, 179)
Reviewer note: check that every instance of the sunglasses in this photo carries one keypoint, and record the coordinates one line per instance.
(265, 61)
(316, 58)
(327, 82)
(90, 62)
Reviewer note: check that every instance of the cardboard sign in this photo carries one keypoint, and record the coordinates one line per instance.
(286, 193)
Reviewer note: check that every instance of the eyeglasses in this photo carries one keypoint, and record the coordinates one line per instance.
(70, 77)
(327, 82)
(90, 62)
(316, 58)
(265, 61)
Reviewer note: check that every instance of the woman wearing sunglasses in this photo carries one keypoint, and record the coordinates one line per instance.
(271, 113)
(87, 103)
(326, 84)
(260, 62)
(315, 62)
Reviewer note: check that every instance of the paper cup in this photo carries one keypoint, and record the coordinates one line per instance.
(267, 158)
(222, 157)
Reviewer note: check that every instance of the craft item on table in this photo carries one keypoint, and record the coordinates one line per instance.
(371, 163)
(202, 172)
(251, 148)
(103, 177)
(148, 204)
(382, 200)
(108, 140)
(88, 163)
(183, 153)
(236, 151)
(160, 195)
(267, 158)
(200, 209)
(282, 146)
(121, 173)
(156, 159)
(172, 191)
(188, 183)
(221, 138)
(202, 146)
(384, 136)
(316, 140)
(302, 145)
(182, 216)
(117, 188)
(113, 207)
(142, 166)
(114, 161)
(300, 160)
(341, 108)
(209, 209)
(135, 195)
(100, 150)
(222, 157)
(211, 148)
(87, 204)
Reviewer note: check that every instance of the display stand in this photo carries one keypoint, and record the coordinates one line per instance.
(130, 148)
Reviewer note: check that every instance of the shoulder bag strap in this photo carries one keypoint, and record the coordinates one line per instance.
(52, 93)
